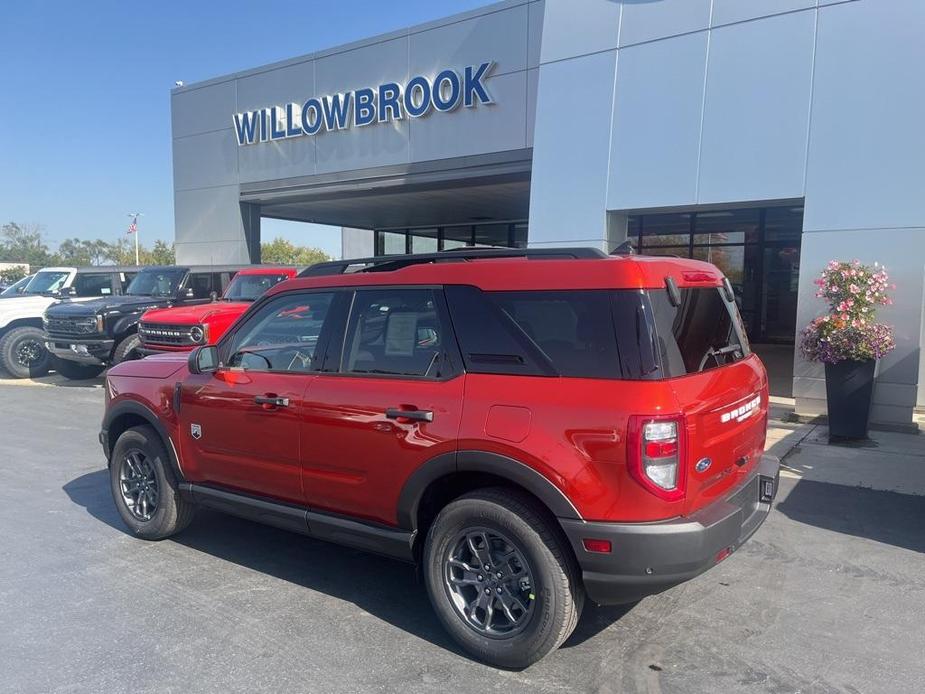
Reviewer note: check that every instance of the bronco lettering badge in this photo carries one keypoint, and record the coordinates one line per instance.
(195, 431)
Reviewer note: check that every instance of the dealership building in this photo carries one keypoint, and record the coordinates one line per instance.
(766, 136)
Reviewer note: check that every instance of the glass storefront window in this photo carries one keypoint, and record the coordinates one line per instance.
(666, 229)
(783, 223)
(423, 240)
(393, 242)
(457, 237)
(758, 249)
(727, 226)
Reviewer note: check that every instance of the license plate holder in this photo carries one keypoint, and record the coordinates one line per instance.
(767, 489)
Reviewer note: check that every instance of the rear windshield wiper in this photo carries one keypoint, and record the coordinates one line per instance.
(717, 353)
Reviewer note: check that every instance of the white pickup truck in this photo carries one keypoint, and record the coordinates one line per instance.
(22, 346)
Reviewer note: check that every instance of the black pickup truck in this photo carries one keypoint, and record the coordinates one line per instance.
(88, 336)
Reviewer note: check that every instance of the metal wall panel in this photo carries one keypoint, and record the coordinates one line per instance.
(569, 185)
(201, 161)
(500, 36)
(647, 21)
(579, 27)
(535, 13)
(484, 128)
(867, 142)
(656, 123)
(202, 109)
(756, 110)
(729, 11)
(378, 144)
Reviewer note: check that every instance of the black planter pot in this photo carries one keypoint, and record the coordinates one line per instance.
(849, 386)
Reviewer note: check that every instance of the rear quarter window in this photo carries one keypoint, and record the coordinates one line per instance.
(573, 333)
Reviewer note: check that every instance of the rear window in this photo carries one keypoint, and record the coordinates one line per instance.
(703, 332)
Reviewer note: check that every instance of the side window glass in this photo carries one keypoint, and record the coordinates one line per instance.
(396, 332)
(283, 334)
(201, 284)
(93, 284)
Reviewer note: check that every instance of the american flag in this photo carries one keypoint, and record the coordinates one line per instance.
(133, 227)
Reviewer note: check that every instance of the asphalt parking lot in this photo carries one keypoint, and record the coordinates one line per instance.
(829, 596)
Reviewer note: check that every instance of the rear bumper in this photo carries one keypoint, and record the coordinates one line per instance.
(83, 350)
(648, 558)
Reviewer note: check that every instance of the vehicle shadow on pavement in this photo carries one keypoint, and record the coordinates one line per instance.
(388, 589)
(887, 517)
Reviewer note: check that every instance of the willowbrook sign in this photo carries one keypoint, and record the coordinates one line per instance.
(390, 101)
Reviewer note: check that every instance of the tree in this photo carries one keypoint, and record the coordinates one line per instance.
(12, 274)
(279, 250)
(23, 243)
(162, 254)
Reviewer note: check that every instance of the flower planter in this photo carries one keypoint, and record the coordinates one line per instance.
(849, 386)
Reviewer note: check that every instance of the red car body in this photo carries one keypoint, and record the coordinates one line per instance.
(361, 473)
(167, 329)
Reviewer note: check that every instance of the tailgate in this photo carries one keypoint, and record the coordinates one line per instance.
(726, 411)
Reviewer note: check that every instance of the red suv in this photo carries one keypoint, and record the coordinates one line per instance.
(531, 427)
(180, 328)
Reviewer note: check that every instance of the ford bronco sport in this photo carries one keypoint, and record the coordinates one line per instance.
(531, 427)
(181, 328)
(22, 347)
(88, 337)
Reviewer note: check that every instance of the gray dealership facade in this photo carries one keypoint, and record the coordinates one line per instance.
(767, 136)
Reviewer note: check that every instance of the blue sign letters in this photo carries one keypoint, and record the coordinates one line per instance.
(390, 101)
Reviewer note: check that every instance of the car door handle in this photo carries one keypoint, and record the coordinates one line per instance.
(418, 415)
(272, 400)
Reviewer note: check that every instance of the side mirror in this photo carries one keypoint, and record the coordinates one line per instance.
(189, 294)
(213, 296)
(203, 360)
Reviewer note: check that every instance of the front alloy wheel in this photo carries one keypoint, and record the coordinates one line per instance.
(489, 583)
(138, 483)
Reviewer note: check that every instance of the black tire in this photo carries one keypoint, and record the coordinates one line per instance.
(141, 448)
(127, 349)
(75, 371)
(556, 595)
(23, 353)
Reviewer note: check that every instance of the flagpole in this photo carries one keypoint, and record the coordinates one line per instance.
(133, 229)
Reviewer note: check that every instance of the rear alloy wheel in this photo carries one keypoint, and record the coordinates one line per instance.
(23, 353)
(501, 578)
(75, 371)
(144, 487)
(489, 582)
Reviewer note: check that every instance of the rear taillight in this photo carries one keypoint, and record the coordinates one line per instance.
(655, 454)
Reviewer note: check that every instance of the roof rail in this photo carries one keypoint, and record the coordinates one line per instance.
(388, 263)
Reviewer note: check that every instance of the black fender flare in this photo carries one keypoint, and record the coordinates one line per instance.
(125, 326)
(480, 461)
(133, 407)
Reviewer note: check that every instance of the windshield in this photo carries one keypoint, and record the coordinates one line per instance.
(251, 287)
(17, 287)
(156, 282)
(45, 282)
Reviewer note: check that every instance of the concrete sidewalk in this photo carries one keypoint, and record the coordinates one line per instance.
(889, 461)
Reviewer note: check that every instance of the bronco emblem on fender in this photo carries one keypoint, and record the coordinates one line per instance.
(195, 431)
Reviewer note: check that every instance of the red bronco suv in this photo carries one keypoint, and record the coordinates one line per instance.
(180, 328)
(530, 426)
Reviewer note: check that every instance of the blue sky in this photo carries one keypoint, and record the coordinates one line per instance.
(85, 97)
